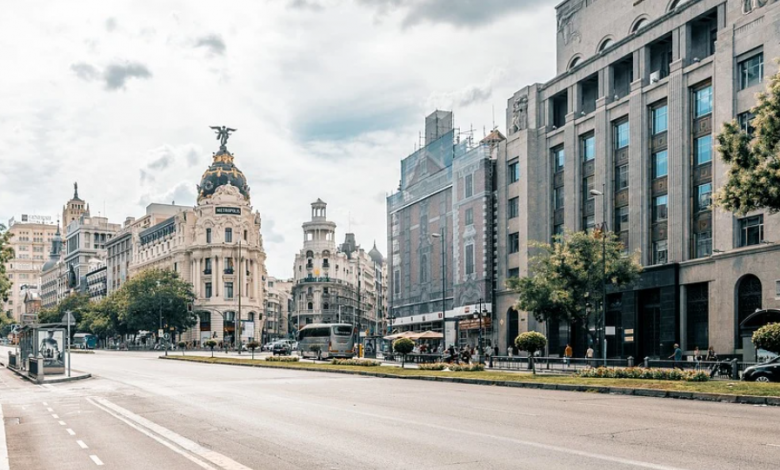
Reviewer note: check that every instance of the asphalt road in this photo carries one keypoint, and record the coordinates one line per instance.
(140, 412)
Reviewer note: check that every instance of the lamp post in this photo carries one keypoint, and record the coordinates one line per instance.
(159, 306)
(443, 280)
(595, 193)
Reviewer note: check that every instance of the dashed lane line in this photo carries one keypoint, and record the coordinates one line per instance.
(81, 444)
(55, 416)
(62, 423)
(71, 432)
(95, 459)
(50, 410)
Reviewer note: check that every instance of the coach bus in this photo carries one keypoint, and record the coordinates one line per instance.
(327, 340)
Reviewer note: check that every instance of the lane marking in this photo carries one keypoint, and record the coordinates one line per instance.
(71, 432)
(4, 464)
(81, 444)
(95, 459)
(45, 404)
(50, 410)
(55, 416)
(62, 423)
(773, 445)
(215, 458)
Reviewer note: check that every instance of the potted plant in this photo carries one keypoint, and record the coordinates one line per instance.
(316, 348)
(182, 345)
(531, 341)
(403, 346)
(252, 345)
(211, 344)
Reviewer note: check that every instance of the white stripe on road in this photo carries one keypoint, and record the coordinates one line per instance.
(71, 432)
(62, 423)
(4, 465)
(50, 410)
(95, 459)
(45, 404)
(773, 445)
(55, 416)
(81, 444)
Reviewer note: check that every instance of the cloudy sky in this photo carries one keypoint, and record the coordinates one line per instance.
(327, 96)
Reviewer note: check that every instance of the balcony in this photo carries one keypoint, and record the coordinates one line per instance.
(207, 271)
(325, 265)
(228, 271)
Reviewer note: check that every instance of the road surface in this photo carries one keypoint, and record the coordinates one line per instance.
(140, 412)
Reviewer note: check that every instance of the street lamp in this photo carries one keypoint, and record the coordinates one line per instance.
(443, 280)
(596, 193)
(159, 305)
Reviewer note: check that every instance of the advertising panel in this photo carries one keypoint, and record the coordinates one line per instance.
(51, 345)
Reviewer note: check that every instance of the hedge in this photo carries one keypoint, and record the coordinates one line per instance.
(641, 373)
(356, 362)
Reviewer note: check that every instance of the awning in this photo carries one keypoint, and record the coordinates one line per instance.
(760, 318)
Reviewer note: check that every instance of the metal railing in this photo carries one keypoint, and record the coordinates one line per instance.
(556, 364)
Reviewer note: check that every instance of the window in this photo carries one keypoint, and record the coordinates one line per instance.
(588, 184)
(659, 252)
(702, 101)
(751, 71)
(777, 288)
(660, 119)
(660, 165)
(703, 197)
(621, 177)
(588, 222)
(697, 313)
(207, 266)
(513, 172)
(469, 259)
(703, 149)
(659, 208)
(751, 230)
(588, 147)
(621, 219)
(469, 216)
(514, 242)
(228, 290)
(310, 306)
(621, 135)
(746, 123)
(208, 290)
(558, 196)
(559, 158)
(469, 185)
(515, 272)
(558, 230)
(245, 234)
(228, 235)
(513, 209)
(703, 242)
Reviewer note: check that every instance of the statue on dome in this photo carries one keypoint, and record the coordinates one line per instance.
(223, 134)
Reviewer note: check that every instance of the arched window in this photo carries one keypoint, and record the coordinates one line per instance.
(748, 300)
(675, 3)
(575, 61)
(326, 306)
(251, 316)
(310, 306)
(605, 44)
(639, 24)
(310, 254)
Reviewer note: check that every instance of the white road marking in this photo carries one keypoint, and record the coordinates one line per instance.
(45, 404)
(55, 416)
(71, 432)
(773, 445)
(4, 465)
(62, 423)
(95, 459)
(168, 438)
(49, 410)
(81, 444)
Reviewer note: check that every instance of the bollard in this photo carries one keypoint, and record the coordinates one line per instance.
(630, 361)
(647, 363)
(734, 369)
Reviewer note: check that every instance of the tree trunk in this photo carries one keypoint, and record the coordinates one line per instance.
(403, 361)
(533, 364)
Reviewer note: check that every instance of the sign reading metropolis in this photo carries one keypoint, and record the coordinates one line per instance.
(228, 210)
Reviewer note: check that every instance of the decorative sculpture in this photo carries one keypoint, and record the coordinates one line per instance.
(520, 114)
(223, 134)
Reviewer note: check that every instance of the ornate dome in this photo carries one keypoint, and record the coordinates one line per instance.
(221, 172)
(375, 255)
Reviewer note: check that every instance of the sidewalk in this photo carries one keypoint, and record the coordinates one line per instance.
(47, 379)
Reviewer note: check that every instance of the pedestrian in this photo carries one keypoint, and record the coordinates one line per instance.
(495, 350)
(677, 356)
(697, 357)
(711, 356)
(568, 353)
(589, 356)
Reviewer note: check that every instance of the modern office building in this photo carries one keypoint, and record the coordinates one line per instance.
(642, 89)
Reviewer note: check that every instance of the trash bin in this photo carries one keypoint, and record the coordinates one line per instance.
(630, 361)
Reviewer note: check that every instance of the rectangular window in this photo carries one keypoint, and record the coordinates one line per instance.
(469, 185)
(513, 208)
(702, 101)
(558, 198)
(703, 149)
(660, 119)
(588, 147)
(777, 288)
(469, 216)
(513, 172)
(469, 259)
(751, 71)
(746, 122)
(559, 158)
(703, 242)
(659, 252)
(621, 135)
(558, 230)
(621, 219)
(208, 235)
(514, 242)
(621, 177)
(228, 235)
(588, 222)
(515, 272)
(659, 208)
(697, 313)
(703, 197)
(660, 164)
(588, 184)
(208, 290)
(751, 230)
(207, 266)
(228, 290)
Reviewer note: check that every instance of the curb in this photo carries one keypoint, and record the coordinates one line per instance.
(51, 381)
(639, 392)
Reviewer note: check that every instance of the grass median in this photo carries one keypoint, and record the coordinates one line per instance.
(715, 387)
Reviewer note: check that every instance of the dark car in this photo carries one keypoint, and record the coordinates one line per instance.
(766, 372)
(281, 348)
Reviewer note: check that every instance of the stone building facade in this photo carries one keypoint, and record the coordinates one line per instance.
(277, 308)
(642, 89)
(85, 245)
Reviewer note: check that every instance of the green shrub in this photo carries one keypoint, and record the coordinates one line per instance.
(531, 341)
(768, 337)
(467, 367)
(282, 358)
(433, 366)
(356, 362)
(648, 374)
(403, 345)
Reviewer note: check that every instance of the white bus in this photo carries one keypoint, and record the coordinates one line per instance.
(327, 340)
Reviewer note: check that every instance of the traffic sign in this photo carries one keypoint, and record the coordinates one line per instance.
(68, 318)
(160, 332)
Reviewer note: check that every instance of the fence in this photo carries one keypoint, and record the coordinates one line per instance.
(13, 360)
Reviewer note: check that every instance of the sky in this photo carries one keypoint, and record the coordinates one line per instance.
(327, 96)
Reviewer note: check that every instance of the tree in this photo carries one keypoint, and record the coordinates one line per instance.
(566, 277)
(252, 345)
(531, 341)
(403, 346)
(153, 295)
(102, 318)
(211, 344)
(753, 177)
(77, 303)
(768, 337)
(6, 255)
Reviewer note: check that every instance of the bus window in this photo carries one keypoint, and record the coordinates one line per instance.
(342, 330)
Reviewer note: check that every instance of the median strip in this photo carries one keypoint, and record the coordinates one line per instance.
(722, 391)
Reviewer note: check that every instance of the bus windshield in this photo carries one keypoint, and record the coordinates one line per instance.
(342, 330)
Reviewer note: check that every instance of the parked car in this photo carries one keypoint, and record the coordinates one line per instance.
(281, 348)
(766, 372)
(267, 346)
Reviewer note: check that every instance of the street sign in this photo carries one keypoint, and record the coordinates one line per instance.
(167, 336)
(610, 331)
(160, 332)
(69, 318)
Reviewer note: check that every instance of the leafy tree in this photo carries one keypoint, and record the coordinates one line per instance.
(76, 303)
(753, 178)
(211, 344)
(768, 337)
(566, 277)
(403, 346)
(6, 255)
(531, 341)
(155, 294)
(102, 318)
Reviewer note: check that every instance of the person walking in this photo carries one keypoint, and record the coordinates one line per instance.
(589, 356)
(567, 355)
(677, 356)
(711, 356)
(697, 358)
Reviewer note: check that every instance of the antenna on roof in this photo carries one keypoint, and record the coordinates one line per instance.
(494, 116)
